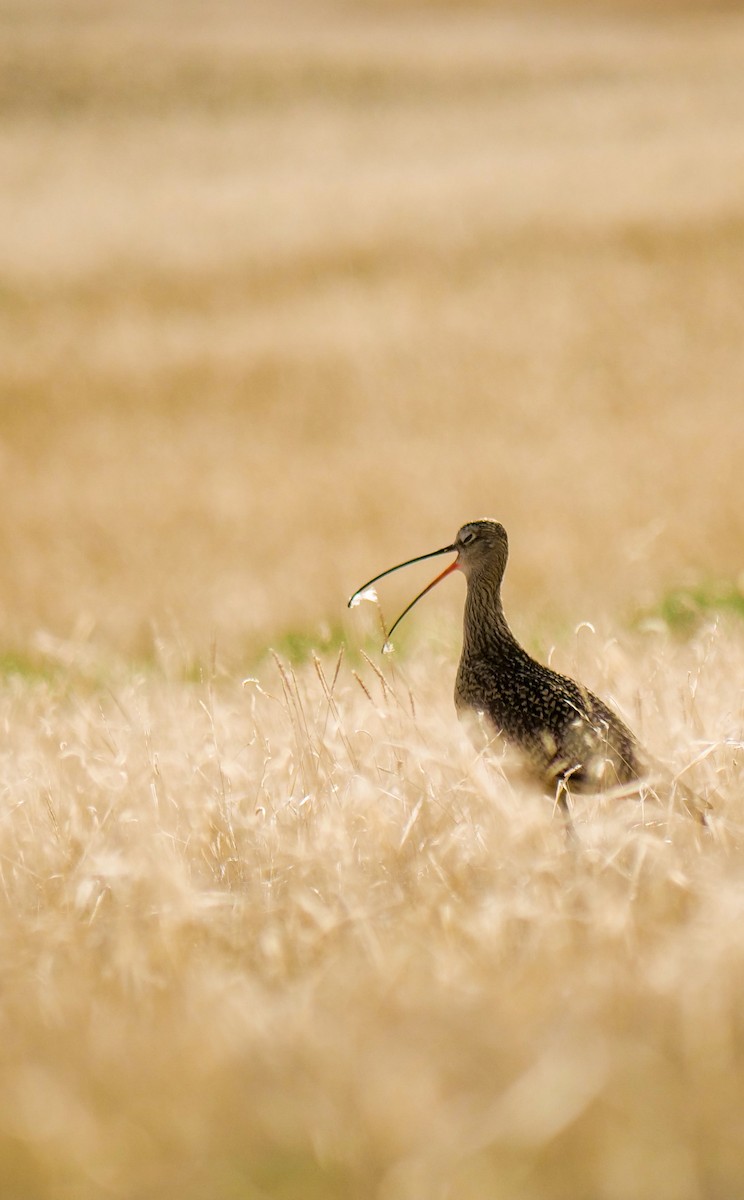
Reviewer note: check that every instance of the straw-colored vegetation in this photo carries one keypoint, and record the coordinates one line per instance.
(287, 298)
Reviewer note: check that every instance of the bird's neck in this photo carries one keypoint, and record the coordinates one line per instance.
(485, 629)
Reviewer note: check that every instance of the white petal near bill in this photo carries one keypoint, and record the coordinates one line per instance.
(368, 594)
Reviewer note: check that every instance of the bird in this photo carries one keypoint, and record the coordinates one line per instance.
(568, 739)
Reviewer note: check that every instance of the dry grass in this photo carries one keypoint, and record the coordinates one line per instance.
(284, 301)
(295, 940)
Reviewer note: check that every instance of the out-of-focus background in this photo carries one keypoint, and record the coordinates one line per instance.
(289, 292)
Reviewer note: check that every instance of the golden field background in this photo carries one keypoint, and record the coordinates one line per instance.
(290, 297)
(287, 295)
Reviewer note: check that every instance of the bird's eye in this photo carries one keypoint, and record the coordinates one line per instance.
(467, 538)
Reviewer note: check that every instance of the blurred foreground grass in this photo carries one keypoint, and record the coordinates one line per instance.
(291, 937)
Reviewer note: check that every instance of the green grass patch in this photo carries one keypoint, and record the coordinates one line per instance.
(287, 1175)
(683, 609)
(28, 666)
(297, 646)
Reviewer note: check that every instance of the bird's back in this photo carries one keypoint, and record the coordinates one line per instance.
(563, 730)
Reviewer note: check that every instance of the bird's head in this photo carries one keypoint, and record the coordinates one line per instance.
(481, 548)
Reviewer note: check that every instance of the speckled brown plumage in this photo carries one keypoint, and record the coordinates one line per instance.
(567, 734)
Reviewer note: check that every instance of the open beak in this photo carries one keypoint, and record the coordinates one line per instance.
(433, 554)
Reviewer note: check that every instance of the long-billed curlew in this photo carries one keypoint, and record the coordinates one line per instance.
(569, 738)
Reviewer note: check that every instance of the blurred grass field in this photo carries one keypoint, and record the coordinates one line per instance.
(286, 296)
(285, 300)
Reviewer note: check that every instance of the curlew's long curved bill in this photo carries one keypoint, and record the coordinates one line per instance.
(447, 571)
(360, 593)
